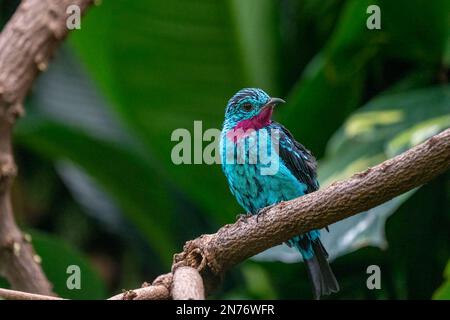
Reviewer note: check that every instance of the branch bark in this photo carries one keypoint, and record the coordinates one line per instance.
(213, 254)
(157, 292)
(27, 43)
(19, 295)
(187, 284)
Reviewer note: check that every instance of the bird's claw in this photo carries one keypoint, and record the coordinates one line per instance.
(261, 212)
(243, 217)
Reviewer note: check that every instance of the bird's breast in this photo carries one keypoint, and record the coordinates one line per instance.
(256, 147)
(252, 186)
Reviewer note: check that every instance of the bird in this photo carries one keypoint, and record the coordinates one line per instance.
(248, 128)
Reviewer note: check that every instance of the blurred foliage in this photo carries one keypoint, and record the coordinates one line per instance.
(185, 64)
(443, 293)
(58, 257)
(94, 150)
(384, 128)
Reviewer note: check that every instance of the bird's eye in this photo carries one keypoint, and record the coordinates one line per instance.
(247, 107)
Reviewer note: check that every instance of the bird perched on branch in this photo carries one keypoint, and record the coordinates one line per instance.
(264, 165)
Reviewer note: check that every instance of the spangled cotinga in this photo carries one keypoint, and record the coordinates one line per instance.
(247, 130)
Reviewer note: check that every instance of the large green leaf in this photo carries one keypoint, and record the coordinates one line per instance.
(164, 65)
(443, 293)
(136, 188)
(56, 257)
(333, 83)
(380, 130)
(416, 30)
(389, 116)
(68, 120)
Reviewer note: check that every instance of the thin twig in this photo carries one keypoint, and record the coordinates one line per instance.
(19, 295)
(215, 253)
(158, 292)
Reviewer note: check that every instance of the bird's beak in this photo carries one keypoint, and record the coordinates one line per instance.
(274, 101)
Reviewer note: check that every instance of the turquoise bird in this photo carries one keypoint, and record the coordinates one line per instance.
(264, 165)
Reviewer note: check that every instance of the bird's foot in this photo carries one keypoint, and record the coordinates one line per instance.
(263, 211)
(243, 217)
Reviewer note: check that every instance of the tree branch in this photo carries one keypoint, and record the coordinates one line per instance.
(19, 295)
(213, 254)
(157, 292)
(27, 43)
(187, 284)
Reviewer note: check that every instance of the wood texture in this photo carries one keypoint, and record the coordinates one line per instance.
(27, 43)
(205, 259)
(187, 284)
(213, 254)
(158, 292)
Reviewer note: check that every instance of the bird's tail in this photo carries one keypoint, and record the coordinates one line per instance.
(319, 271)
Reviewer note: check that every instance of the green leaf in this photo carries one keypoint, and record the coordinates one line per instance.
(125, 175)
(380, 130)
(389, 120)
(258, 281)
(416, 30)
(56, 257)
(333, 83)
(383, 128)
(255, 23)
(164, 65)
(446, 60)
(417, 134)
(443, 293)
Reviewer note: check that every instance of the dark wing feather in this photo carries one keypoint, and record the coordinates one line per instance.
(297, 158)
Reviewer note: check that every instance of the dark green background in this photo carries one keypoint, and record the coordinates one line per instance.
(139, 69)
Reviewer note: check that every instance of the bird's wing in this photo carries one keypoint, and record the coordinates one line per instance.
(297, 158)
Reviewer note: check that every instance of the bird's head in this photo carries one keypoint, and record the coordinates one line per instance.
(250, 108)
